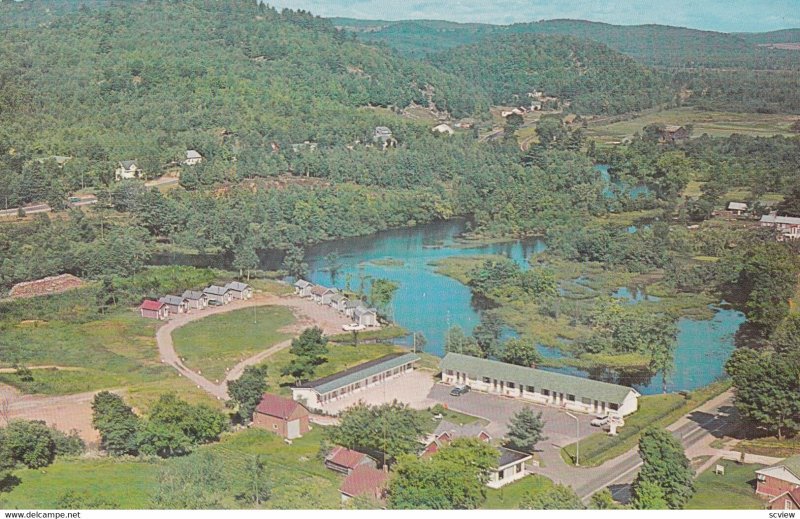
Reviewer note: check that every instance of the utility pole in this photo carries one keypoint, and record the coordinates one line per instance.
(577, 438)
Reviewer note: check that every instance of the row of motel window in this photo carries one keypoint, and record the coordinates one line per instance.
(554, 396)
(366, 382)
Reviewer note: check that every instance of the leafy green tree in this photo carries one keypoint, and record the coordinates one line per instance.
(649, 496)
(522, 352)
(666, 466)
(604, 500)
(30, 443)
(116, 422)
(300, 368)
(453, 478)
(174, 427)
(293, 262)
(525, 430)
(557, 497)
(195, 482)
(245, 257)
(393, 428)
(257, 486)
(766, 390)
(381, 293)
(786, 338)
(458, 342)
(334, 265)
(311, 344)
(71, 500)
(247, 390)
(488, 332)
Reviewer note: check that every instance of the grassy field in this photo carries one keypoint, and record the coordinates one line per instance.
(509, 496)
(221, 341)
(733, 491)
(300, 479)
(771, 446)
(654, 411)
(716, 124)
(383, 334)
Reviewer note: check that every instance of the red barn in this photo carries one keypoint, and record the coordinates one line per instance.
(280, 415)
(779, 479)
(344, 460)
(153, 309)
(786, 501)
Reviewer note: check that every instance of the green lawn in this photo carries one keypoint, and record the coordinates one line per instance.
(733, 491)
(771, 446)
(221, 341)
(383, 334)
(300, 479)
(509, 496)
(716, 124)
(654, 411)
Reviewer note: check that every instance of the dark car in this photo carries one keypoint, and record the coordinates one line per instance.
(459, 390)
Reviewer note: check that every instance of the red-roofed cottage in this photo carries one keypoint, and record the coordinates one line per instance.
(365, 481)
(346, 461)
(283, 416)
(786, 501)
(153, 309)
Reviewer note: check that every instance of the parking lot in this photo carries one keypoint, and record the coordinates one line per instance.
(412, 388)
(559, 428)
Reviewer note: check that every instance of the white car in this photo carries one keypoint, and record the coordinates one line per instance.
(600, 421)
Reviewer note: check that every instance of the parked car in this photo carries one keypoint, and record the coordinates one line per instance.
(459, 390)
(601, 421)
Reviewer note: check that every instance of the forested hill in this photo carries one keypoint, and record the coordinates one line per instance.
(595, 78)
(149, 80)
(655, 45)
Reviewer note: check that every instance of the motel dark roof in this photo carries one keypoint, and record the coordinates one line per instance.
(356, 373)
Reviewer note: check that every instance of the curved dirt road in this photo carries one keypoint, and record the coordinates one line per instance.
(307, 313)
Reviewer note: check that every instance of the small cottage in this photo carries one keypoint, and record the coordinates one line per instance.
(510, 467)
(193, 157)
(365, 316)
(322, 295)
(303, 288)
(217, 295)
(239, 290)
(737, 208)
(338, 302)
(153, 309)
(672, 134)
(195, 299)
(346, 460)
(282, 416)
(126, 170)
(443, 129)
(175, 304)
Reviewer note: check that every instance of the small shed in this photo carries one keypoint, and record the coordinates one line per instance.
(338, 302)
(303, 288)
(282, 416)
(192, 157)
(219, 295)
(153, 309)
(365, 481)
(175, 304)
(239, 290)
(737, 208)
(195, 299)
(365, 316)
(322, 295)
(344, 460)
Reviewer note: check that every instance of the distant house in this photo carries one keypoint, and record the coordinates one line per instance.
(383, 135)
(671, 134)
(346, 460)
(510, 467)
(466, 123)
(60, 160)
(322, 295)
(46, 286)
(127, 170)
(175, 304)
(737, 208)
(219, 294)
(365, 481)
(239, 290)
(536, 105)
(788, 227)
(303, 288)
(195, 299)
(153, 309)
(777, 480)
(443, 129)
(365, 316)
(338, 302)
(282, 416)
(193, 157)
